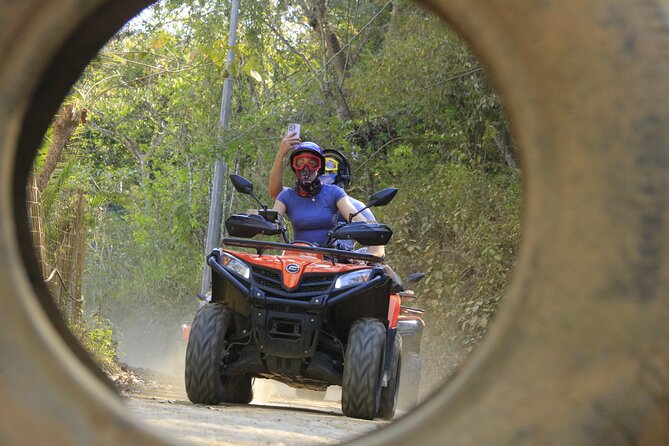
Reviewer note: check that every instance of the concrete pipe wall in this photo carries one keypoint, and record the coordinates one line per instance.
(579, 353)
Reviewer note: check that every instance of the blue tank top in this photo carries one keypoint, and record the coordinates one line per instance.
(312, 217)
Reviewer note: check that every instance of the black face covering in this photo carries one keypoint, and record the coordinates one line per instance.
(305, 187)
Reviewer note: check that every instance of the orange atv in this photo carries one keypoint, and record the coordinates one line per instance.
(306, 316)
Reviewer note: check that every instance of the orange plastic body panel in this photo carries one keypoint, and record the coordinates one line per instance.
(185, 332)
(393, 310)
(306, 263)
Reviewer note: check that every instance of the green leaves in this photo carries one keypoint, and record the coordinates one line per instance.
(460, 226)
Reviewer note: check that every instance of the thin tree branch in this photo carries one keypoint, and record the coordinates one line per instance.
(129, 144)
(376, 151)
(290, 46)
(303, 84)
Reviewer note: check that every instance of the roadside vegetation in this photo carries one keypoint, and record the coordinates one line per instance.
(382, 81)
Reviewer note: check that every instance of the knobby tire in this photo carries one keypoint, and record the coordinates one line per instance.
(362, 366)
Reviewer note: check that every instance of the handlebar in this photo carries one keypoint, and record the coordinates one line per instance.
(335, 253)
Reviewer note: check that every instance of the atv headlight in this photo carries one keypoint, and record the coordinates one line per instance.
(235, 265)
(353, 278)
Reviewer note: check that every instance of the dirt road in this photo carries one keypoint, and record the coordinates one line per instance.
(275, 417)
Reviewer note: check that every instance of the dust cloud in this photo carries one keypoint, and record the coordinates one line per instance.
(151, 338)
(442, 355)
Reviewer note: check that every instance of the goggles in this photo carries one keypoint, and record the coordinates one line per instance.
(303, 160)
(331, 165)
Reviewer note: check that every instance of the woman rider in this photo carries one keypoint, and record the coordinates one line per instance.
(311, 205)
(337, 172)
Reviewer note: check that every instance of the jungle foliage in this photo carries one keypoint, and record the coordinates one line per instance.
(382, 81)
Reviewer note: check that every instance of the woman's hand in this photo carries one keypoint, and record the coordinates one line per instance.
(288, 144)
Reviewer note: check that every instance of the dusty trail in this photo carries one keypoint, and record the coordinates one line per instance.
(275, 417)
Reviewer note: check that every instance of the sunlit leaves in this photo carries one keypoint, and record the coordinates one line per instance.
(459, 226)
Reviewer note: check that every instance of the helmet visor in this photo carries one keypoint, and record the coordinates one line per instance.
(331, 165)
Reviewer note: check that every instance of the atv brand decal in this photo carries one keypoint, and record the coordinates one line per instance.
(292, 268)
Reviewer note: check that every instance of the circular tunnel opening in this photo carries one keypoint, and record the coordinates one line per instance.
(567, 267)
(111, 113)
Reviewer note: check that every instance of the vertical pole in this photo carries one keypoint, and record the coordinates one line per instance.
(220, 167)
(35, 212)
(79, 244)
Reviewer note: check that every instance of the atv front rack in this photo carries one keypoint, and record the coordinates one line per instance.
(260, 246)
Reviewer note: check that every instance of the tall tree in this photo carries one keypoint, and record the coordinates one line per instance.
(68, 119)
(317, 12)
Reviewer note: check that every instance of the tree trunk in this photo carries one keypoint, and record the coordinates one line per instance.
(316, 11)
(66, 123)
(505, 144)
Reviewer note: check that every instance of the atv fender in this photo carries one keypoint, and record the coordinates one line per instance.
(394, 310)
(388, 356)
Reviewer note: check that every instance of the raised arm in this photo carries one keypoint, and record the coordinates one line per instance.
(275, 184)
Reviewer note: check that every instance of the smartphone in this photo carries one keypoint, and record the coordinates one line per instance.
(294, 128)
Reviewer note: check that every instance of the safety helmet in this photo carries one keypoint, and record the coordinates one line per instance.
(337, 169)
(310, 148)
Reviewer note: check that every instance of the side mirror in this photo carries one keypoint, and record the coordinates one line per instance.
(244, 186)
(241, 184)
(415, 277)
(382, 197)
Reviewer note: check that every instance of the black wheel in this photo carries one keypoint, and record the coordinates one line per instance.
(362, 366)
(412, 367)
(389, 393)
(204, 357)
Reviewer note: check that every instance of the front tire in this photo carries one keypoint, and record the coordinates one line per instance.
(389, 393)
(204, 358)
(362, 367)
